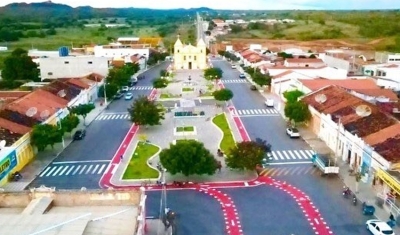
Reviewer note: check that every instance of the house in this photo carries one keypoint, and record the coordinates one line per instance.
(387, 75)
(387, 57)
(356, 131)
(219, 23)
(71, 66)
(119, 50)
(304, 62)
(137, 59)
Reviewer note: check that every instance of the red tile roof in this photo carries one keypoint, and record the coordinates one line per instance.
(304, 60)
(95, 77)
(9, 137)
(389, 149)
(12, 94)
(380, 136)
(14, 127)
(282, 74)
(77, 82)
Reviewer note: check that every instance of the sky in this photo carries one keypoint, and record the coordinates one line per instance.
(232, 4)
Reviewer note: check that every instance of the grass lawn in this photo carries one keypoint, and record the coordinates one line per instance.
(227, 141)
(187, 89)
(168, 95)
(184, 128)
(138, 168)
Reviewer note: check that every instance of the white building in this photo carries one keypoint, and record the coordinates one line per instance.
(70, 66)
(255, 47)
(35, 53)
(304, 62)
(118, 50)
(387, 75)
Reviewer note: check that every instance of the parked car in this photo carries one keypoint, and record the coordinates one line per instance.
(233, 66)
(242, 76)
(79, 134)
(128, 96)
(269, 103)
(133, 82)
(253, 88)
(118, 96)
(292, 132)
(378, 227)
(125, 89)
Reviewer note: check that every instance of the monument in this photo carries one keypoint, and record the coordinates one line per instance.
(189, 56)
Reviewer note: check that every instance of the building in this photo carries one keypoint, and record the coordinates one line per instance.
(72, 66)
(387, 75)
(304, 62)
(387, 57)
(189, 56)
(120, 50)
(219, 23)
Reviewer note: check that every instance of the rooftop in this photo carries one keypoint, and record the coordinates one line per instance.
(9, 136)
(64, 90)
(304, 60)
(12, 94)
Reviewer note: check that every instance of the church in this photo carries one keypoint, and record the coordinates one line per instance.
(189, 56)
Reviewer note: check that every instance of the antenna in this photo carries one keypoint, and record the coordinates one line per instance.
(2, 144)
(31, 112)
(44, 114)
(321, 98)
(61, 93)
(363, 110)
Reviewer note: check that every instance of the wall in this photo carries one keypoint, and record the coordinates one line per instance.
(8, 162)
(99, 51)
(336, 62)
(303, 64)
(71, 67)
(186, 54)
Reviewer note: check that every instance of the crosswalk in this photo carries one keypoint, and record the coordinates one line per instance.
(234, 81)
(289, 170)
(304, 155)
(112, 116)
(140, 88)
(75, 168)
(256, 112)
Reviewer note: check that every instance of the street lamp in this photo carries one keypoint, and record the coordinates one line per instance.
(59, 113)
(104, 91)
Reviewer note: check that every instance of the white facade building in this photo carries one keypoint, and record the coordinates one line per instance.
(70, 66)
(119, 51)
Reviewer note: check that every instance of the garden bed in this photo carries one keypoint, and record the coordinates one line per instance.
(187, 89)
(185, 130)
(227, 141)
(137, 167)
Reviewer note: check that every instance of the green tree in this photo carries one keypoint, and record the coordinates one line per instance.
(221, 53)
(20, 67)
(223, 95)
(246, 155)
(164, 73)
(312, 56)
(146, 112)
(69, 123)
(44, 135)
(111, 91)
(82, 110)
(160, 83)
(261, 79)
(213, 73)
(292, 96)
(297, 111)
(188, 157)
(119, 76)
(236, 28)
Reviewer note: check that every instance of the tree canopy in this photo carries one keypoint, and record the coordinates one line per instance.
(213, 73)
(188, 157)
(223, 94)
(111, 90)
(246, 155)
(82, 110)
(44, 135)
(19, 67)
(292, 96)
(297, 111)
(258, 77)
(160, 83)
(69, 123)
(146, 112)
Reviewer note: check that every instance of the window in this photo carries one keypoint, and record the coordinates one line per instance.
(50, 73)
(90, 62)
(384, 74)
(190, 57)
(391, 59)
(194, 58)
(184, 57)
(178, 51)
(66, 62)
(201, 51)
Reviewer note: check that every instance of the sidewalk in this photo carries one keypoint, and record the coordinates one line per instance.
(365, 192)
(43, 159)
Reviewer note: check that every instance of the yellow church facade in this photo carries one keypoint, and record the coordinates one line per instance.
(189, 56)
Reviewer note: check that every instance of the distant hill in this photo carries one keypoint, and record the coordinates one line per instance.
(47, 10)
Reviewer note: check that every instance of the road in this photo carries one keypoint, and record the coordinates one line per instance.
(260, 121)
(83, 162)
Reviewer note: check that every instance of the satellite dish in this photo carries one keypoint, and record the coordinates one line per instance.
(2, 144)
(31, 112)
(44, 114)
(363, 110)
(321, 98)
(61, 93)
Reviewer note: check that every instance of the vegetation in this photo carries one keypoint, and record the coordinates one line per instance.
(82, 110)
(70, 122)
(297, 111)
(156, 57)
(44, 135)
(146, 112)
(213, 73)
(293, 96)
(160, 83)
(185, 129)
(187, 89)
(111, 90)
(223, 95)
(137, 167)
(246, 155)
(258, 77)
(188, 157)
(227, 142)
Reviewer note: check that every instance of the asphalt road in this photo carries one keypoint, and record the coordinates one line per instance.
(271, 127)
(197, 213)
(83, 162)
(326, 193)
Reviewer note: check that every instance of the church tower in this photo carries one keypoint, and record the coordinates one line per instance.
(202, 53)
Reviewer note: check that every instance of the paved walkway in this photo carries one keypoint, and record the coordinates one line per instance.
(43, 159)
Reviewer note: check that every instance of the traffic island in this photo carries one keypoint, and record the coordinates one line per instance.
(138, 167)
(185, 130)
(227, 141)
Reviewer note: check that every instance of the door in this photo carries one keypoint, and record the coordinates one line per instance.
(190, 65)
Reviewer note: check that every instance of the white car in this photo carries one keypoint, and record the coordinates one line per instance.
(378, 227)
(292, 132)
(233, 66)
(128, 96)
(125, 89)
(269, 103)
